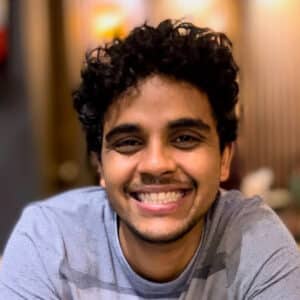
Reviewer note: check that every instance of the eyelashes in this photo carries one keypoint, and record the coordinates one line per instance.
(186, 141)
(127, 145)
(131, 145)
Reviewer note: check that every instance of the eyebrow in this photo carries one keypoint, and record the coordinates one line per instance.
(123, 128)
(189, 122)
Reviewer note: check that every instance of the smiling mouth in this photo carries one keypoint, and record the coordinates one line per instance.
(159, 197)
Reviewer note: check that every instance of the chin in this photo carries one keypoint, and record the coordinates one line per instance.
(163, 238)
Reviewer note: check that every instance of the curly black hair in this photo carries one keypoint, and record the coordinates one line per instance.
(179, 50)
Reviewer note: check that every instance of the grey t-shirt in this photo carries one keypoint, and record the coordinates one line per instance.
(67, 248)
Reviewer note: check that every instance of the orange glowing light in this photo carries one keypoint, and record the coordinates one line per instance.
(272, 3)
(108, 22)
(190, 6)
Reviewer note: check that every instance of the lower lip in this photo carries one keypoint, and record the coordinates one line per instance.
(161, 209)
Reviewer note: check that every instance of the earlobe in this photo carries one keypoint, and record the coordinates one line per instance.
(226, 161)
(101, 178)
(97, 163)
(102, 182)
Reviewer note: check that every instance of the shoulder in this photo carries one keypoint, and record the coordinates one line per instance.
(67, 218)
(243, 221)
(251, 216)
(51, 231)
(236, 210)
(73, 200)
(261, 255)
(48, 234)
(63, 207)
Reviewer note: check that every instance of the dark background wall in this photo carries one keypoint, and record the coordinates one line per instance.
(18, 172)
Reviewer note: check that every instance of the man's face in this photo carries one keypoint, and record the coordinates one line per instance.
(161, 163)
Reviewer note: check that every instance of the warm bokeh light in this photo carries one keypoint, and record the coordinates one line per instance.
(190, 6)
(107, 22)
(217, 22)
(216, 14)
(271, 2)
(277, 5)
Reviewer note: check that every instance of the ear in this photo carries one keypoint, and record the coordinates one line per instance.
(101, 177)
(97, 163)
(226, 161)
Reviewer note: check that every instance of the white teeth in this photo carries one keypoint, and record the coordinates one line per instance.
(159, 198)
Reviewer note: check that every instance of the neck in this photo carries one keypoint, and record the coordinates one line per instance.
(159, 262)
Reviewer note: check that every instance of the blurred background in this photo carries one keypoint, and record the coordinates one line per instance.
(42, 45)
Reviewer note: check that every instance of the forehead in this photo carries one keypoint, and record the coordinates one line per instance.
(158, 100)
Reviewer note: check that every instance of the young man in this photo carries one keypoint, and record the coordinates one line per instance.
(158, 109)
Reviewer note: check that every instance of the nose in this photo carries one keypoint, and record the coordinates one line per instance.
(157, 160)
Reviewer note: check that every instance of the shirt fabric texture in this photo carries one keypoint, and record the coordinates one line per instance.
(67, 248)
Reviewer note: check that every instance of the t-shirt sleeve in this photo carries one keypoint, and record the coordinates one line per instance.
(27, 269)
(270, 259)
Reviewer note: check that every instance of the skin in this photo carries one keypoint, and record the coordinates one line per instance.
(161, 138)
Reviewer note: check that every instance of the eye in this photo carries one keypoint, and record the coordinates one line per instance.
(186, 141)
(127, 145)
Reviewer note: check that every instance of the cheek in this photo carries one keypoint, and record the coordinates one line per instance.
(202, 165)
(117, 170)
